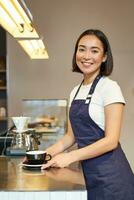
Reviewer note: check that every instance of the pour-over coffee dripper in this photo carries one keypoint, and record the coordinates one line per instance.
(20, 123)
(19, 133)
(24, 138)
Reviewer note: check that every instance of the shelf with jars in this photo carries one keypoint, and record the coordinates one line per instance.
(3, 84)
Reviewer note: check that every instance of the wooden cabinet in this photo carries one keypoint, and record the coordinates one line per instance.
(3, 83)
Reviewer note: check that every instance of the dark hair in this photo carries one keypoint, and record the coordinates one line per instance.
(107, 66)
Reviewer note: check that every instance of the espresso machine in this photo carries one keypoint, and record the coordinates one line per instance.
(24, 138)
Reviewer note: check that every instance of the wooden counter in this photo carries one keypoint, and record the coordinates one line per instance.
(14, 178)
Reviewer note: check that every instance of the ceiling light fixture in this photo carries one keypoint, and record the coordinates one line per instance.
(34, 48)
(16, 18)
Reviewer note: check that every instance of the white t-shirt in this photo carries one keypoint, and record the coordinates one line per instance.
(106, 92)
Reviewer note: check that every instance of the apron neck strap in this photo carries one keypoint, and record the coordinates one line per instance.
(93, 86)
(78, 89)
(88, 99)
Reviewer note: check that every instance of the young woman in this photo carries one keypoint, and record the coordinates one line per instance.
(96, 109)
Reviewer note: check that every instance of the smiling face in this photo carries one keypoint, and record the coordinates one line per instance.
(90, 54)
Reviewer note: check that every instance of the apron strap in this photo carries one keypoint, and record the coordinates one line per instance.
(78, 89)
(91, 91)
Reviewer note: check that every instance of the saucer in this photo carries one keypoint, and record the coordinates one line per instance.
(26, 165)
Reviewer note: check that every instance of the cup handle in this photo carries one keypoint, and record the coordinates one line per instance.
(48, 157)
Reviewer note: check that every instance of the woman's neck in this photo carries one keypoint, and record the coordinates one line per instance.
(89, 78)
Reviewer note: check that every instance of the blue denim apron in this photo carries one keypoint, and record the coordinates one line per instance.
(109, 176)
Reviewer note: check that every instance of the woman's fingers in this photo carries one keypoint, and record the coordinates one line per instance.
(60, 161)
(50, 163)
(24, 159)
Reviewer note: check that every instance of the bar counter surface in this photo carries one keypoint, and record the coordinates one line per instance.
(13, 177)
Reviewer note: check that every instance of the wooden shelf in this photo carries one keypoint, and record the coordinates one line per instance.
(3, 81)
(3, 88)
(3, 118)
(2, 70)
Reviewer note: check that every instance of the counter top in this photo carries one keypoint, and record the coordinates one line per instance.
(14, 178)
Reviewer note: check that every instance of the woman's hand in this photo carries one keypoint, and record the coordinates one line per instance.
(60, 161)
(24, 159)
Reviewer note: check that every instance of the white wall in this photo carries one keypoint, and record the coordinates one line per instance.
(61, 22)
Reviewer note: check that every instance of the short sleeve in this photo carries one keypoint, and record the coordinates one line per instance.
(72, 94)
(112, 94)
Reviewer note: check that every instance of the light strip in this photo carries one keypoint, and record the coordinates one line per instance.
(34, 48)
(17, 19)
(23, 15)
